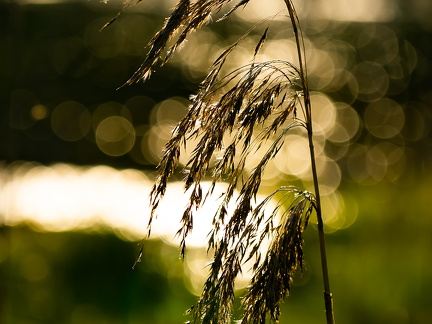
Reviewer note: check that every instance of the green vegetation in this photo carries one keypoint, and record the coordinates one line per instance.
(87, 278)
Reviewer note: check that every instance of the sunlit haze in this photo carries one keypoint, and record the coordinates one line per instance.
(65, 197)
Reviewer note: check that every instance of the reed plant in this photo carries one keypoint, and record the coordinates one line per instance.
(233, 116)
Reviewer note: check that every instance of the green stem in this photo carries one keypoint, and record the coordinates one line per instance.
(328, 300)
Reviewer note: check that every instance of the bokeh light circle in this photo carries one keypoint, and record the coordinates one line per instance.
(378, 43)
(356, 163)
(376, 163)
(347, 125)
(369, 164)
(169, 111)
(39, 112)
(323, 114)
(384, 118)
(294, 156)
(115, 136)
(154, 140)
(330, 175)
(339, 211)
(70, 121)
(372, 81)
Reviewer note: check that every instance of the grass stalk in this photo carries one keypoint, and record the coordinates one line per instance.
(328, 299)
(258, 103)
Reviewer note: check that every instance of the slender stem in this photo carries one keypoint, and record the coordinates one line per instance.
(328, 300)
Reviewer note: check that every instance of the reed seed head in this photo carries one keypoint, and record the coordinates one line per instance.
(232, 117)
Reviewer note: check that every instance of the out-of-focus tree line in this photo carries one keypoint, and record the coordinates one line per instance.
(54, 55)
(56, 59)
(59, 100)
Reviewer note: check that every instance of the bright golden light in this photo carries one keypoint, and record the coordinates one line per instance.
(66, 198)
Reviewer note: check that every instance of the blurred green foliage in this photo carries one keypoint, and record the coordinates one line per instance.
(88, 278)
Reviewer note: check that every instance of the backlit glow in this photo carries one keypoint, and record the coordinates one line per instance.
(66, 198)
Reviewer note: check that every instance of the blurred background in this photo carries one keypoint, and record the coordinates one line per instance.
(78, 153)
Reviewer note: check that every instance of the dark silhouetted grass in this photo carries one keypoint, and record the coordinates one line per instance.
(231, 117)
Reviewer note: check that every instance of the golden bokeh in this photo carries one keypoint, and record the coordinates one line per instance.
(115, 136)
